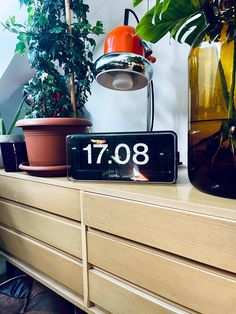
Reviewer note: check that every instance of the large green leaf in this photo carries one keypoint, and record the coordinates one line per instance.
(187, 31)
(165, 3)
(172, 16)
(150, 31)
(136, 2)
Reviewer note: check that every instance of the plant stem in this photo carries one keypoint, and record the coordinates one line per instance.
(223, 84)
(72, 75)
(229, 95)
(232, 89)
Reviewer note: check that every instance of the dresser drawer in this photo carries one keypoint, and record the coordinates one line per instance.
(49, 197)
(193, 286)
(62, 268)
(199, 237)
(120, 298)
(59, 232)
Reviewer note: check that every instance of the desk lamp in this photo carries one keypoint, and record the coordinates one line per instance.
(126, 63)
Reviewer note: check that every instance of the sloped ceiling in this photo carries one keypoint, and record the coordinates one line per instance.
(14, 70)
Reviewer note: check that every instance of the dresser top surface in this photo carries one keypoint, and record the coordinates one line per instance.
(181, 195)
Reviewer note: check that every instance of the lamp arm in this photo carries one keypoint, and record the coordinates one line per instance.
(126, 16)
(150, 106)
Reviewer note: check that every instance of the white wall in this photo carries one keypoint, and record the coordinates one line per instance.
(112, 110)
(14, 69)
(10, 8)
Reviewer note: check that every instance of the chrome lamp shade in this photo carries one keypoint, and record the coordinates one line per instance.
(123, 71)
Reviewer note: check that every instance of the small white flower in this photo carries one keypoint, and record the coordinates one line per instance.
(43, 76)
(34, 114)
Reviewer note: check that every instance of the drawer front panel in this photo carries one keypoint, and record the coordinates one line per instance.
(199, 237)
(52, 198)
(56, 231)
(184, 283)
(56, 265)
(119, 298)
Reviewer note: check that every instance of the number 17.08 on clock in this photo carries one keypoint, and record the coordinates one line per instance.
(139, 156)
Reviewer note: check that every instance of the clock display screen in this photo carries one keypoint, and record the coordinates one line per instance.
(123, 156)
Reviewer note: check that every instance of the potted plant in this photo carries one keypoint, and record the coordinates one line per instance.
(209, 26)
(58, 40)
(12, 146)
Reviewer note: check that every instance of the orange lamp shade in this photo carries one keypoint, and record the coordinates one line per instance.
(123, 39)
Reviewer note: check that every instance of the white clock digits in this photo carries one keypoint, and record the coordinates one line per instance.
(88, 148)
(139, 154)
(117, 157)
(143, 153)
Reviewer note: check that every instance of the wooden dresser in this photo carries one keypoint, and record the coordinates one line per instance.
(122, 248)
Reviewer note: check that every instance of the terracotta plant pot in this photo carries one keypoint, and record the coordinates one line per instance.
(46, 143)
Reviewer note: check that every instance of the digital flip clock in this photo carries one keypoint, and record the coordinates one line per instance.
(134, 156)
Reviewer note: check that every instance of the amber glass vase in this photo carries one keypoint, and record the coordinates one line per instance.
(212, 117)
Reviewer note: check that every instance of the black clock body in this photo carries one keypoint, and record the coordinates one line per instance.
(135, 157)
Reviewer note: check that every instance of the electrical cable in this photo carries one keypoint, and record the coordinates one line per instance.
(152, 106)
(126, 17)
(126, 22)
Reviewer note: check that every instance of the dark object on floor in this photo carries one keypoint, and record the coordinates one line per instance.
(23, 294)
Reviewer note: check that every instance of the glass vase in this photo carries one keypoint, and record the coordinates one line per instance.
(212, 116)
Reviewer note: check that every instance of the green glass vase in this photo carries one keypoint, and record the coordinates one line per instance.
(212, 116)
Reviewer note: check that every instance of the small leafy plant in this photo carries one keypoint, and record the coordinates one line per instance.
(58, 40)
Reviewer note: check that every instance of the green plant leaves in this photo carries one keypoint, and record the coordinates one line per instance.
(3, 130)
(165, 3)
(136, 2)
(98, 28)
(26, 2)
(2, 126)
(57, 30)
(149, 31)
(183, 19)
(187, 30)
(20, 48)
(16, 116)
(54, 52)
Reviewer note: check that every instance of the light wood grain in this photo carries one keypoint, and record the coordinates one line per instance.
(200, 237)
(59, 232)
(185, 283)
(56, 265)
(51, 284)
(181, 195)
(86, 265)
(55, 199)
(173, 218)
(119, 298)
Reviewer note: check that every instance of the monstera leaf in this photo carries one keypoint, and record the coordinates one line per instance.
(184, 20)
